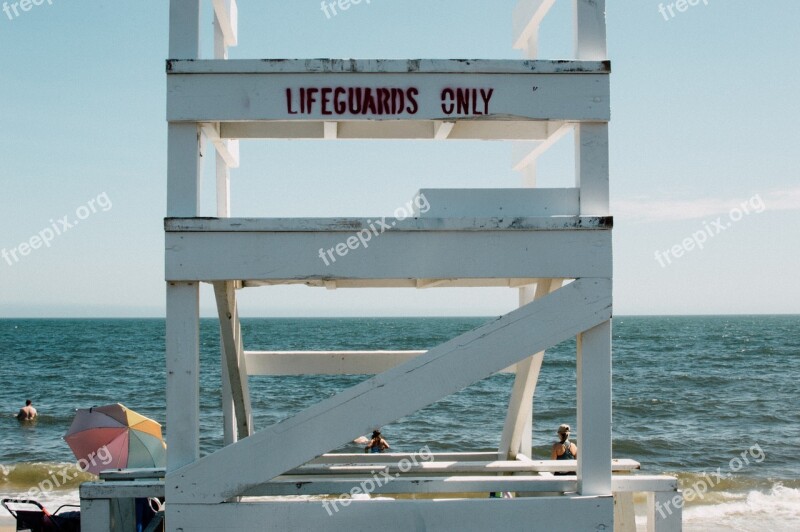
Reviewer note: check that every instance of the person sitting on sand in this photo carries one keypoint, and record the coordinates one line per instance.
(27, 412)
(564, 449)
(377, 444)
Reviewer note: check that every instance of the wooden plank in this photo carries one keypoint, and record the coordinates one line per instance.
(594, 410)
(296, 486)
(230, 333)
(325, 362)
(302, 256)
(386, 458)
(591, 168)
(133, 473)
(393, 394)
(387, 66)
(572, 96)
(306, 485)
(469, 129)
(437, 465)
(496, 202)
(305, 225)
(226, 12)
(528, 16)
(183, 373)
(590, 30)
(122, 489)
(520, 405)
(184, 29)
(479, 515)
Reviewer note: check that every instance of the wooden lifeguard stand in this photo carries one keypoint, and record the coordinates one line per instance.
(553, 245)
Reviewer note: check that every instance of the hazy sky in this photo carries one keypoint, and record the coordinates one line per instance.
(704, 119)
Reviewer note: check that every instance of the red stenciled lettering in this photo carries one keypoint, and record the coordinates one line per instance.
(447, 101)
(310, 99)
(339, 105)
(289, 102)
(398, 108)
(326, 98)
(383, 101)
(355, 98)
(369, 103)
(486, 96)
(462, 101)
(413, 107)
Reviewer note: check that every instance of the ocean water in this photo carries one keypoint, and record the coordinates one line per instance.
(713, 400)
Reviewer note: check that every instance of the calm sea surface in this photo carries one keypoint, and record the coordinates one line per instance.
(690, 395)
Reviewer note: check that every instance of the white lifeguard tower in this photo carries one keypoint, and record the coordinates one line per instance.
(552, 245)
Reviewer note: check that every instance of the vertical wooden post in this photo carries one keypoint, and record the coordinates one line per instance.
(594, 410)
(591, 168)
(590, 30)
(95, 515)
(184, 29)
(183, 308)
(183, 368)
(663, 515)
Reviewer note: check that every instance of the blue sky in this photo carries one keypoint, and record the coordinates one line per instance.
(704, 117)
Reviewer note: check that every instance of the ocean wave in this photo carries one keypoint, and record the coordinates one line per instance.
(47, 476)
(775, 509)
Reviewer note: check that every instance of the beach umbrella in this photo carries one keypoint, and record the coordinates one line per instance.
(113, 436)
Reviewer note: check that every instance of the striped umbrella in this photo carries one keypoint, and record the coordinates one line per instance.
(113, 436)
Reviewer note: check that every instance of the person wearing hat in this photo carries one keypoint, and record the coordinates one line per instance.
(564, 449)
(377, 444)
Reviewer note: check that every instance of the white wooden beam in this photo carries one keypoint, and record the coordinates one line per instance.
(573, 91)
(305, 249)
(184, 29)
(532, 155)
(235, 362)
(226, 12)
(528, 16)
(393, 394)
(468, 515)
(591, 168)
(442, 130)
(520, 406)
(594, 410)
(227, 149)
(183, 374)
(325, 362)
(331, 130)
(590, 30)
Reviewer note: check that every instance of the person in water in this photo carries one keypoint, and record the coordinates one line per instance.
(377, 444)
(27, 412)
(564, 449)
